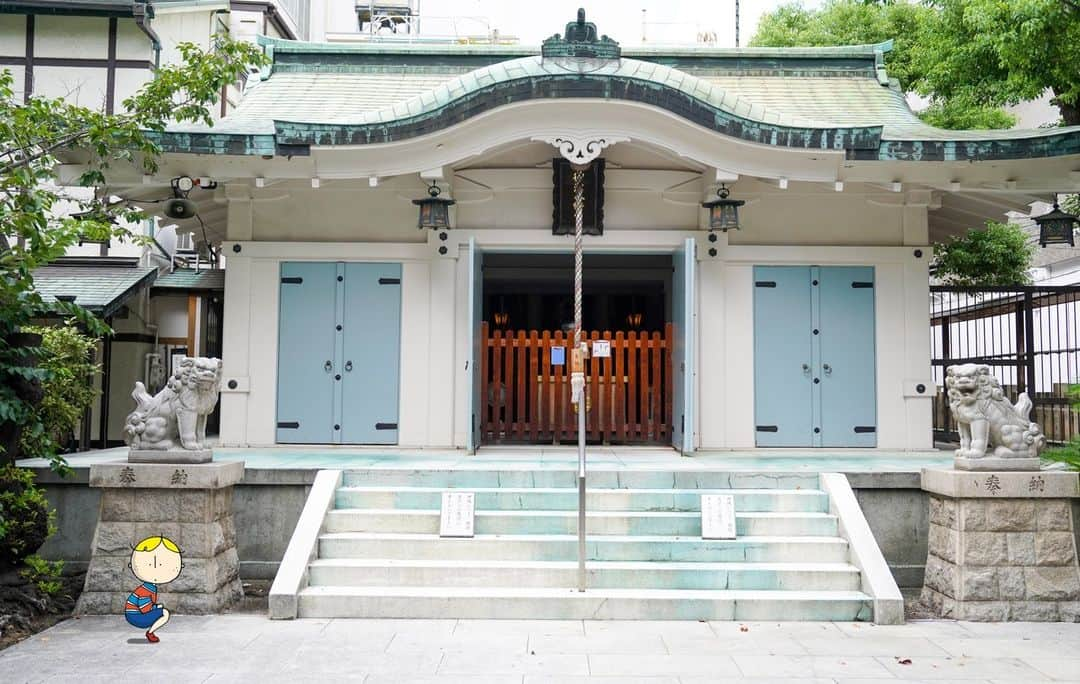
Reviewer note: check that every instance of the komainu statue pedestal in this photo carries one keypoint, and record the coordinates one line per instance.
(168, 487)
(191, 504)
(1002, 546)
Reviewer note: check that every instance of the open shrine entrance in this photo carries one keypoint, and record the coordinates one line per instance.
(525, 336)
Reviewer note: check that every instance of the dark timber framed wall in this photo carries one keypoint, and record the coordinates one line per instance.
(31, 59)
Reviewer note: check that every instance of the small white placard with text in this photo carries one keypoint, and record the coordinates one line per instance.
(717, 516)
(458, 513)
(601, 349)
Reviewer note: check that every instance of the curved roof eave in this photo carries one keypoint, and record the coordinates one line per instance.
(691, 98)
(529, 78)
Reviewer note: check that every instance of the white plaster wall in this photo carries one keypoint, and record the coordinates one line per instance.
(251, 331)
(171, 315)
(71, 37)
(12, 36)
(128, 82)
(351, 222)
(246, 25)
(726, 373)
(182, 26)
(346, 212)
(131, 42)
(84, 86)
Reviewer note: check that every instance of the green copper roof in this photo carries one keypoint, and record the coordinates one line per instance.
(810, 98)
(188, 279)
(100, 289)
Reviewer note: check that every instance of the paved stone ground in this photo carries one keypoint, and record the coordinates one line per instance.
(245, 648)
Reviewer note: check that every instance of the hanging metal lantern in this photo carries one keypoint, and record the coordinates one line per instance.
(1056, 227)
(723, 212)
(434, 211)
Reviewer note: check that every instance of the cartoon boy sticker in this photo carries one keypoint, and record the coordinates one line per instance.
(155, 561)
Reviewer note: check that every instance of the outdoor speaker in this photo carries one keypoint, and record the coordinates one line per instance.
(180, 208)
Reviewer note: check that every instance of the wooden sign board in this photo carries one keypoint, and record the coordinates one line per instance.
(717, 516)
(458, 514)
(601, 349)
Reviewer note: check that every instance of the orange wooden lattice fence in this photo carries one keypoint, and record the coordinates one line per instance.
(526, 399)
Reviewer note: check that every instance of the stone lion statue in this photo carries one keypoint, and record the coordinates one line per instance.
(986, 419)
(178, 412)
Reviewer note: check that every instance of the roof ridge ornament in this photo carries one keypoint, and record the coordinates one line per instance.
(580, 39)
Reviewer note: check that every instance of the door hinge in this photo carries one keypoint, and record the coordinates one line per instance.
(389, 281)
(288, 426)
(767, 428)
(765, 283)
(292, 280)
(386, 426)
(862, 285)
(860, 429)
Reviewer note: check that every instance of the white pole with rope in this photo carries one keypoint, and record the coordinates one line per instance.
(577, 367)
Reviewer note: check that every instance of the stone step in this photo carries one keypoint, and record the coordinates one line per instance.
(566, 499)
(594, 604)
(356, 572)
(564, 547)
(567, 477)
(659, 523)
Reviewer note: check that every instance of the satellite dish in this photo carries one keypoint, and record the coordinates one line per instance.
(180, 208)
(166, 237)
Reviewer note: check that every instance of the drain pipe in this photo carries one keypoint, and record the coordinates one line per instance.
(577, 367)
(142, 20)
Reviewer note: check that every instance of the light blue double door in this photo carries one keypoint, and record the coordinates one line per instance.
(814, 356)
(339, 340)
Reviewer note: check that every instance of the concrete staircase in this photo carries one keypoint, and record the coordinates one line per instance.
(376, 551)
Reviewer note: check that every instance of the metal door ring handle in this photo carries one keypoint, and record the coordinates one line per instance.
(827, 368)
(348, 366)
(328, 366)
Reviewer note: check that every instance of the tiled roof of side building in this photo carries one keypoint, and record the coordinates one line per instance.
(101, 289)
(188, 279)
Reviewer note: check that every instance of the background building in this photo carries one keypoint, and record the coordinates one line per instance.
(95, 53)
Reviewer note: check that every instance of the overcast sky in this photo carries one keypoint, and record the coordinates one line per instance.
(667, 21)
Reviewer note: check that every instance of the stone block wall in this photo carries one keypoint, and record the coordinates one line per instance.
(199, 520)
(1002, 559)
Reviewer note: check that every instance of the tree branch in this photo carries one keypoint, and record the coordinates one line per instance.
(42, 151)
(49, 148)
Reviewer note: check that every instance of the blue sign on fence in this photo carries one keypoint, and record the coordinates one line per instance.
(558, 356)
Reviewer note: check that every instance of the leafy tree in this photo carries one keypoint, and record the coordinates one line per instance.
(995, 53)
(33, 231)
(860, 22)
(1071, 204)
(68, 388)
(998, 254)
(847, 22)
(959, 114)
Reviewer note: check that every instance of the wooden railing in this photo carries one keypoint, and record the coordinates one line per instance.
(526, 398)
